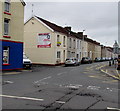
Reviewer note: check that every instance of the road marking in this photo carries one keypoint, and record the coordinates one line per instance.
(113, 109)
(101, 66)
(113, 81)
(93, 87)
(61, 102)
(106, 72)
(42, 79)
(74, 86)
(92, 66)
(25, 98)
(95, 76)
(118, 73)
(8, 82)
(7, 73)
(61, 73)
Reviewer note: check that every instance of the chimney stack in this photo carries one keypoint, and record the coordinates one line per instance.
(68, 28)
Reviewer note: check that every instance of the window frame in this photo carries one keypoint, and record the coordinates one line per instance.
(70, 42)
(58, 54)
(7, 6)
(58, 38)
(6, 26)
(64, 41)
(6, 55)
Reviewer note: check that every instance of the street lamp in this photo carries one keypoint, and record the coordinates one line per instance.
(83, 43)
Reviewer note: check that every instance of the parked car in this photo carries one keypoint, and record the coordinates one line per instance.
(97, 59)
(72, 61)
(86, 60)
(27, 64)
(103, 59)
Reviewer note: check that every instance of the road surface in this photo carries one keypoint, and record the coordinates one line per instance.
(58, 87)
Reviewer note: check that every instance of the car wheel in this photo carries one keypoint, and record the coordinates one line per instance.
(75, 64)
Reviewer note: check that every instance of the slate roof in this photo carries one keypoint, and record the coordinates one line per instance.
(53, 26)
(23, 3)
(66, 31)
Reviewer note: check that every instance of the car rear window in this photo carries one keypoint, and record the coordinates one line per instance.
(68, 59)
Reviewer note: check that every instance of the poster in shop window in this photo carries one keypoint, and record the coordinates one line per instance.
(44, 40)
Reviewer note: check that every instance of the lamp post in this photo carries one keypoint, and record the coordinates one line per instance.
(83, 43)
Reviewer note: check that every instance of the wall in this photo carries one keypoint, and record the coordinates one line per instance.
(71, 48)
(38, 55)
(61, 47)
(78, 48)
(0, 34)
(16, 57)
(91, 50)
(43, 55)
(97, 51)
(16, 21)
(16, 28)
(85, 49)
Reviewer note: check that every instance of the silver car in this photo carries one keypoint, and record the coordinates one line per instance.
(72, 61)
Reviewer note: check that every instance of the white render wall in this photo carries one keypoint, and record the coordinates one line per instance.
(37, 55)
(84, 49)
(42, 55)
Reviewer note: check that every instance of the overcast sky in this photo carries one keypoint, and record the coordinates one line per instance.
(98, 19)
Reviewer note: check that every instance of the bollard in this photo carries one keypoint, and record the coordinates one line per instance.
(113, 61)
(109, 63)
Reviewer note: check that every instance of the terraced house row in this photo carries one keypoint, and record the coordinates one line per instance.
(48, 43)
(42, 41)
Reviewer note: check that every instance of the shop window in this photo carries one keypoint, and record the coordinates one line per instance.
(6, 26)
(7, 6)
(5, 55)
(58, 54)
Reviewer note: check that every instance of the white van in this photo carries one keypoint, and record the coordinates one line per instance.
(26, 62)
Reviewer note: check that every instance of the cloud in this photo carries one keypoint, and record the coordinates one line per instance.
(99, 19)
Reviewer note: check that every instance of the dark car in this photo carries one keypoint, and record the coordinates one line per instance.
(103, 59)
(86, 60)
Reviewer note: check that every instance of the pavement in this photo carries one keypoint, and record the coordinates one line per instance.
(111, 71)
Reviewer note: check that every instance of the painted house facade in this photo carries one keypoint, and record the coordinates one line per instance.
(11, 34)
(97, 50)
(45, 42)
(74, 44)
(107, 52)
(84, 47)
(91, 48)
(79, 45)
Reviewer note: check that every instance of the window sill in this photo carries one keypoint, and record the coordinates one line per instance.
(5, 36)
(7, 13)
(6, 64)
